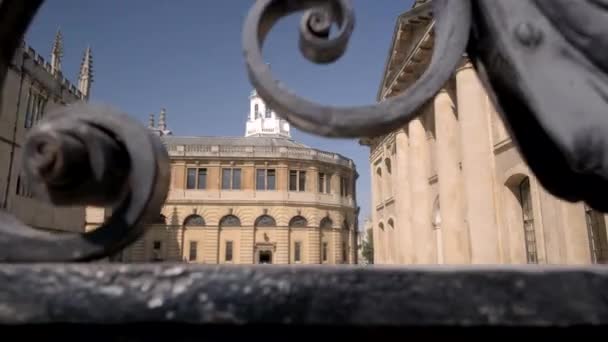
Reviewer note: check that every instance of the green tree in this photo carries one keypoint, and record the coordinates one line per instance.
(368, 247)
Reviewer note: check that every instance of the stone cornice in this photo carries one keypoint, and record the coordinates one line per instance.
(257, 152)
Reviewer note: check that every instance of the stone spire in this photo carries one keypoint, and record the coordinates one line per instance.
(86, 73)
(151, 121)
(162, 120)
(57, 53)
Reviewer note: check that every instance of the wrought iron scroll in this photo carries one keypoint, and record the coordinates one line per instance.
(542, 62)
(82, 155)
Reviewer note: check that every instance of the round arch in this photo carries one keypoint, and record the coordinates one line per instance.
(298, 221)
(194, 220)
(326, 223)
(230, 221)
(265, 221)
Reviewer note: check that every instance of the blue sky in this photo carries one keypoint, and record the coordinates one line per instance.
(185, 56)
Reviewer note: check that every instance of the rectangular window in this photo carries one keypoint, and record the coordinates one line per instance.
(236, 179)
(297, 180)
(228, 256)
(297, 252)
(231, 179)
(344, 252)
(343, 186)
(265, 179)
(302, 181)
(35, 107)
(226, 176)
(271, 180)
(321, 182)
(202, 179)
(293, 180)
(324, 252)
(324, 183)
(260, 179)
(193, 251)
(191, 179)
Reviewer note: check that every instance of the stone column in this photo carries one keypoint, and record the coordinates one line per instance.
(477, 167)
(453, 231)
(422, 234)
(402, 200)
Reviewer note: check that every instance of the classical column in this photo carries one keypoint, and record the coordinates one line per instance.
(402, 200)
(422, 233)
(477, 167)
(453, 229)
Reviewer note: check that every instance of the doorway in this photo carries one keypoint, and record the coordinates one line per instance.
(265, 257)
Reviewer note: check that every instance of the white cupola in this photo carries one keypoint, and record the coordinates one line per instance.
(263, 121)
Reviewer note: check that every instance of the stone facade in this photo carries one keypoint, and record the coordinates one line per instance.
(451, 186)
(256, 199)
(32, 87)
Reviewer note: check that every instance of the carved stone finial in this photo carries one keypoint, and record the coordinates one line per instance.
(162, 120)
(57, 53)
(86, 73)
(151, 121)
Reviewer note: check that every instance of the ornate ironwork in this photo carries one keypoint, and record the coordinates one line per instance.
(543, 63)
(82, 155)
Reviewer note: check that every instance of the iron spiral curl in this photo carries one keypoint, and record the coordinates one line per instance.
(452, 34)
(81, 155)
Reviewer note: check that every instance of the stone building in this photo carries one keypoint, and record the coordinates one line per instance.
(32, 87)
(262, 198)
(451, 186)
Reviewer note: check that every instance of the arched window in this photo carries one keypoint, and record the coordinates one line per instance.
(265, 221)
(194, 220)
(298, 221)
(256, 111)
(326, 223)
(528, 221)
(381, 226)
(230, 221)
(598, 241)
(268, 114)
(391, 223)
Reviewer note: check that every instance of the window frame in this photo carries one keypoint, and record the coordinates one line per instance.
(226, 250)
(232, 178)
(297, 252)
(193, 247)
(300, 180)
(265, 184)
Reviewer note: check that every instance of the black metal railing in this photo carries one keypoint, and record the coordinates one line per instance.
(87, 155)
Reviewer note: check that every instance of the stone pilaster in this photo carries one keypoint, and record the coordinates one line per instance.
(246, 244)
(402, 199)
(454, 236)
(477, 167)
(422, 234)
